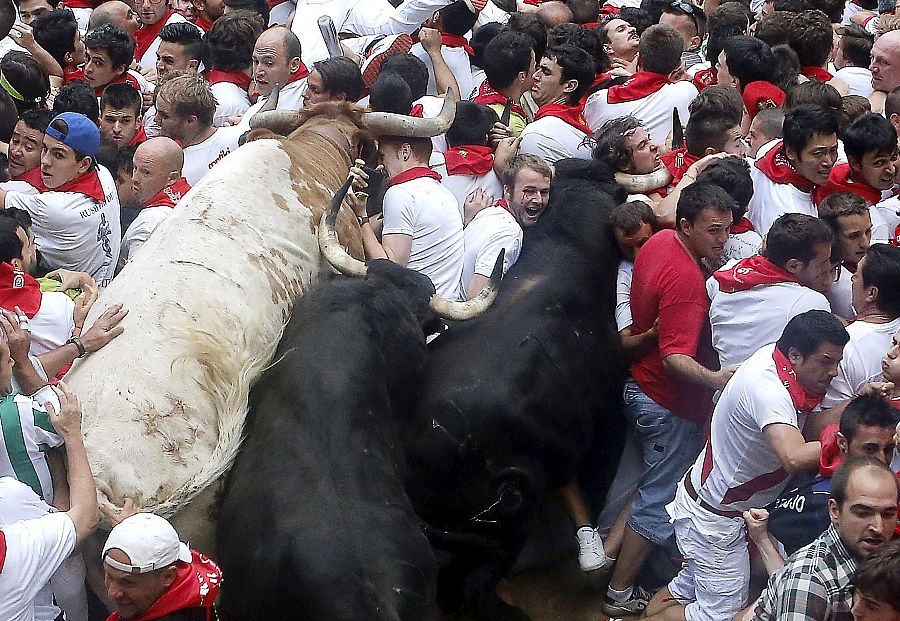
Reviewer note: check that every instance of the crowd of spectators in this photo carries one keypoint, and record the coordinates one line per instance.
(757, 298)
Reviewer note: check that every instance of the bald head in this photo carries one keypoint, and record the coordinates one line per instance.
(885, 63)
(276, 55)
(157, 164)
(554, 13)
(114, 12)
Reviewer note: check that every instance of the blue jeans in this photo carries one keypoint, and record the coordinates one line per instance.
(669, 444)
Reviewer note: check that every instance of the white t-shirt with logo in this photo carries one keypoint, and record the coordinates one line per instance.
(427, 211)
(741, 455)
(552, 139)
(744, 321)
(463, 185)
(861, 363)
(200, 158)
(653, 111)
(742, 245)
(490, 231)
(74, 231)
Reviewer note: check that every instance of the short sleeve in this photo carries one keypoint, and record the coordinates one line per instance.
(770, 407)
(44, 432)
(503, 239)
(32, 203)
(399, 212)
(35, 549)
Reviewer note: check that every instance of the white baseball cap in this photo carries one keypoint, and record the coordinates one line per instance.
(149, 541)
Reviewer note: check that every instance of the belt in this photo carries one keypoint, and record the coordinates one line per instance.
(689, 488)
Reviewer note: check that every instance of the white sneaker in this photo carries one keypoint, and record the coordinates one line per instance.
(590, 549)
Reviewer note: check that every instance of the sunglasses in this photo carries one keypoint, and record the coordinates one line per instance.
(687, 8)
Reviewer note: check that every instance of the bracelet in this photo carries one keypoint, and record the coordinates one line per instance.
(74, 340)
(362, 219)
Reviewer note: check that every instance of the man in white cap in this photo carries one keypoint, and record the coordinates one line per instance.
(151, 574)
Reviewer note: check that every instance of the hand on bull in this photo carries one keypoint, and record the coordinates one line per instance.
(115, 515)
(67, 421)
(18, 337)
(105, 329)
(356, 201)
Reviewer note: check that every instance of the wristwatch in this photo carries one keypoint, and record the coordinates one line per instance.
(77, 342)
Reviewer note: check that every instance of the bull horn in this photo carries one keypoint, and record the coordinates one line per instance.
(276, 120)
(390, 124)
(272, 102)
(331, 248)
(641, 184)
(461, 311)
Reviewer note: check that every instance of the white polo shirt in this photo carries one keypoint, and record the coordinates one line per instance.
(231, 100)
(552, 139)
(73, 230)
(744, 321)
(840, 295)
(623, 295)
(200, 158)
(456, 58)
(428, 212)
(771, 200)
(861, 363)
(654, 111)
(490, 231)
(463, 185)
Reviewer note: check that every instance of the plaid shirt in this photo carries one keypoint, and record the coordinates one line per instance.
(814, 585)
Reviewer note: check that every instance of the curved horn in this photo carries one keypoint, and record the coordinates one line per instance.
(641, 184)
(389, 124)
(282, 122)
(271, 103)
(461, 311)
(331, 248)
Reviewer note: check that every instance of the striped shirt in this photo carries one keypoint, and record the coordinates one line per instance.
(27, 434)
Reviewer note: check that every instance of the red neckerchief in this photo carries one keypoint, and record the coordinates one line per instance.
(776, 167)
(502, 203)
(802, 399)
(203, 24)
(417, 111)
(706, 77)
(741, 226)
(146, 35)
(415, 172)
(19, 289)
(678, 161)
(217, 76)
(299, 74)
(139, 137)
(816, 73)
(839, 181)
(831, 456)
(469, 160)
(70, 75)
(573, 115)
(850, 268)
(169, 195)
(124, 78)
(33, 178)
(196, 586)
(488, 96)
(87, 184)
(273, 3)
(457, 41)
(607, 9)
(750, 272)
(79, 4)
(638, 86)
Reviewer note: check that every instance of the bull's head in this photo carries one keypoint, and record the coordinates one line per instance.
(335, 254)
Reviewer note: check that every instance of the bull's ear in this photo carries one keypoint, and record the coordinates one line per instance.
(258, 134)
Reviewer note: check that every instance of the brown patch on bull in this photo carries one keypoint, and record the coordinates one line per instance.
(280, 202)
(285, 288)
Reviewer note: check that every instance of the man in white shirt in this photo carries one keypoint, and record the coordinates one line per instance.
(35, 548)
(752, 300)
(76, 221)
(851, 58)
(848, 216)
(754, 443)
(784, 177)
(152, 16)
(650, 94)
(559, 129)
(229, 50)
(453, 22)
(184, 110)
(876, 300)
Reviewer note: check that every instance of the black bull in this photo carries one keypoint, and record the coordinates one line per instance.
(511, 399)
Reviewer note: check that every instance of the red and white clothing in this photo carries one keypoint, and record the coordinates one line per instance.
(649, 97)
(490, 231)
(751, 301)
(200, 158)
(840, 295)
(289, 98)
(416, 204)
(466, 168)
(743, 241)
(29, 182)
(457, 54)
(146, 39)
(50, 313)
(886, 221)
(861, 363)
(230, 90)
(557, 132)
(839, 181)
(77, 225)
(777, 189)
(152, 213)
(677, 162)
(497, 101)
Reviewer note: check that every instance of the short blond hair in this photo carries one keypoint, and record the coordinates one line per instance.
(189, 94)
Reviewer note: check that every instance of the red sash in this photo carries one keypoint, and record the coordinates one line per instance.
(816, 73)
(750, 272)
(139, 137)
(469, 160)
(125, 78)
(169, 195)
(416, 172)
(638, 86)
(19, 289)
(457, 41)
(488, 96)
(217, 76)
(802, 399)
(87, 184)
(706, 77)
(678, 161)
(146, 35)
(33, 178)
(573, 115)
(417, 111)
(741, 226)
(203, 24)
(776, 167)
(839, 181)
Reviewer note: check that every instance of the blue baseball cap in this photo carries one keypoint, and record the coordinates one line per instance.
(82, 134)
